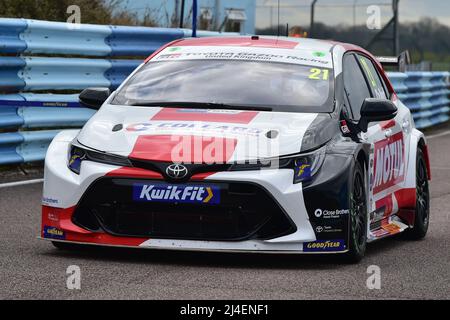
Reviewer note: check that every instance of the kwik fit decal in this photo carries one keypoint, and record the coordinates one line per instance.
(176, 193)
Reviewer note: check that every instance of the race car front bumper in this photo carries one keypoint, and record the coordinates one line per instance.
(259, 211)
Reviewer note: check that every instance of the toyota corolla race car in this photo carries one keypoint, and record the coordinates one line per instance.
(254, 144)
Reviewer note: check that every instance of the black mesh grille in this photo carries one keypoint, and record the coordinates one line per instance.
(246, 211)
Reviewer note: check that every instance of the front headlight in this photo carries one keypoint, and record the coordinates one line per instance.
(78, 154)
(305, 165)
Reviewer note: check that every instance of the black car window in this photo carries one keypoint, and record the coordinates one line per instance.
(355, 85)
(373, 77)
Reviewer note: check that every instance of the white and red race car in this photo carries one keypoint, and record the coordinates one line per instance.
(255, 144)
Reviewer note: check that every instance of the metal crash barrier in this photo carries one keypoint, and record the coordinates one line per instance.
(42, 56)
(426, 94)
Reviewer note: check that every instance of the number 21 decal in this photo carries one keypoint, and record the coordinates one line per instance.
(319, 74)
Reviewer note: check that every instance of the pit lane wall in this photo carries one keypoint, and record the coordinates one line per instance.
(43, 65)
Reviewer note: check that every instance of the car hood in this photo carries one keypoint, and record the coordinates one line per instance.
(202, 135)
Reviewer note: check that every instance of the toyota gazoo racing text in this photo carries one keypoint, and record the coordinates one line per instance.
(255, 144)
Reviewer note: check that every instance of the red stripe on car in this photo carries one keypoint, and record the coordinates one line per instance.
(180, 114)
(387, 203)
(183, 148)
(130, 172)
(202, 176)
(387, 124)
(161, 49)
(406, 198)
(61, 220)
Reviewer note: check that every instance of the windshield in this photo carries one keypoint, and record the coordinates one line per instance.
(278, 86)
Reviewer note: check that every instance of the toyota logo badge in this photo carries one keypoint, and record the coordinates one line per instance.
(176, 171)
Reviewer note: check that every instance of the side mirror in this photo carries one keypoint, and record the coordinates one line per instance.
(374, 109)
(93, 98)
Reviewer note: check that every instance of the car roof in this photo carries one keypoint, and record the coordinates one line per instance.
(259, 41)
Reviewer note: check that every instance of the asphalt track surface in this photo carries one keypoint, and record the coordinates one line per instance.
(34, 269)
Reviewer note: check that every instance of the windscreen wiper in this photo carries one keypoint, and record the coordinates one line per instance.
(198, 105)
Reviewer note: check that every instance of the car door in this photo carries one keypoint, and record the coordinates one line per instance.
(356, 90)
(390, 144)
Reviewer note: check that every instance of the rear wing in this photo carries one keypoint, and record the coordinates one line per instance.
(399, 62)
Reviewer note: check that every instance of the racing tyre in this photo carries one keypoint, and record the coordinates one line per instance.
(422, 215)
(358, 217)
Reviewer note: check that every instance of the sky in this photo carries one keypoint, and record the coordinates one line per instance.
(333, 12)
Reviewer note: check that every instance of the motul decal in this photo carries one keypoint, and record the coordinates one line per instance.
(389, 163)
(225, 116)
